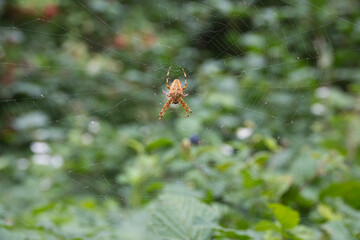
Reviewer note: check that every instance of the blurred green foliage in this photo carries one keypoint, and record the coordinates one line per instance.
(271, 150)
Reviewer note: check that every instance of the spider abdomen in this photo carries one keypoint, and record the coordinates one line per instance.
(176, 90)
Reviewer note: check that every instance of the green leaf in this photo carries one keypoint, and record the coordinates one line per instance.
(266, 225)
(337, 230)
(287, 217)
(302, 232)
(349, 191)
(136, 145)
(159, 143)
(229, 233)
(326, 212)
(248, 180)
(271, 144)
(180, 217)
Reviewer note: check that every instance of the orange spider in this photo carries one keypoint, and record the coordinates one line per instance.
(176, 92)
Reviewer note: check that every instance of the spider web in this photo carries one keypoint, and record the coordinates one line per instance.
(262, 94)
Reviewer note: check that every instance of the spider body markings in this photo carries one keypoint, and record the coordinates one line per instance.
(176, 93)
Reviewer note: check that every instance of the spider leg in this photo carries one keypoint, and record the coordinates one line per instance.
(167, 78)
(185, 106)
(165, 93)
(185, 95)
(166, 106)
(185, 80)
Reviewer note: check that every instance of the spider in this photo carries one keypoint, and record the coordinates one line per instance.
(176, 94)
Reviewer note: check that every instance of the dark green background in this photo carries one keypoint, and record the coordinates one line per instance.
(83, 156)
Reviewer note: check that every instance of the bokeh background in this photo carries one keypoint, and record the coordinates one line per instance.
(271, 150)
